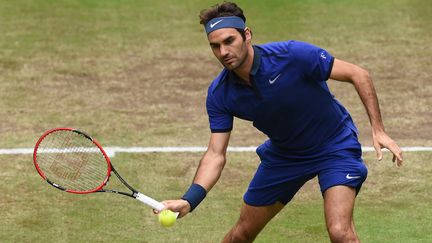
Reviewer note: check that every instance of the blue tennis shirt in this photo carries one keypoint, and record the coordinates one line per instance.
(289, 101)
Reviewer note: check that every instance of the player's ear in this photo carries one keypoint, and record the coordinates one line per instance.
(248, 34)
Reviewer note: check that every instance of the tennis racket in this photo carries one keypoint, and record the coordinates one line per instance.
(72, 161)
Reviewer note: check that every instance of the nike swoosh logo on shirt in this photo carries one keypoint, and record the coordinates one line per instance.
(352, 177)
(271, 81)
(215, 23)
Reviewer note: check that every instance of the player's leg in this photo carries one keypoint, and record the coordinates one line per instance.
(252, 220)
(341, 176)
(268, 192)
(338, 209)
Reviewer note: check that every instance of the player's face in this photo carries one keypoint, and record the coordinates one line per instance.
(229, 47)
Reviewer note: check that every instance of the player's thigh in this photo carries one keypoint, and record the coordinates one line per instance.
(253, 218)
(338, 205)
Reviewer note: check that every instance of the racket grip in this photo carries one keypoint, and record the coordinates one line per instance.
(149, 201)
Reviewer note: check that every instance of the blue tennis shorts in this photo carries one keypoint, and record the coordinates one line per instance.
(275, 181)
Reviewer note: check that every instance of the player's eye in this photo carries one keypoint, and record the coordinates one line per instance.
(214, 46)
(229, 41)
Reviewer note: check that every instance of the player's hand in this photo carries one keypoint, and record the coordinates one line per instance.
(181, 206)
(382, 140)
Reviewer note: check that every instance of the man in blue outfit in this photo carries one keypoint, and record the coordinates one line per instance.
(281, 87)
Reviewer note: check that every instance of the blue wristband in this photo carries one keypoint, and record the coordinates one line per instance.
(194, 195)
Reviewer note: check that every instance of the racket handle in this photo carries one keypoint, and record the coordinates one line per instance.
(149, 201)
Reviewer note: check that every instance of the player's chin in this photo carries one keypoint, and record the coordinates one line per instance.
(230, 66)
(228, 63)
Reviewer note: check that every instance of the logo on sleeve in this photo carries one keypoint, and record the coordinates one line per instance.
(323, 55)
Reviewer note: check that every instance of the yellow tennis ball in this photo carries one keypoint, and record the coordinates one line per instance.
(167, 218)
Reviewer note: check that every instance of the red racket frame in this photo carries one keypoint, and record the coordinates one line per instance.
(99, 188)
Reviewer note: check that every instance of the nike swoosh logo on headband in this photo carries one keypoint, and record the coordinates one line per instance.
(215, 23)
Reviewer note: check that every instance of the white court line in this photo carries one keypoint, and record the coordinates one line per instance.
(111, 151)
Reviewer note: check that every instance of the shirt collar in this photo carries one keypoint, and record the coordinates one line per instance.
(256, 61)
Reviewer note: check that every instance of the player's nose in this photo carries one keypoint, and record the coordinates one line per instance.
(223, 51)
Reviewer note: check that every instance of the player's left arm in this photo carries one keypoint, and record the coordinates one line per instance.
(360, 78)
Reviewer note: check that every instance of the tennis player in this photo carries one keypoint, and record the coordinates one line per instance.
(281, 87)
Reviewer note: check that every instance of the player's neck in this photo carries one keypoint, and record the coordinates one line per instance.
(245, 68)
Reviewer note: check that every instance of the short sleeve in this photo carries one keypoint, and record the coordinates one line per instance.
(316, 62)
(219, 118)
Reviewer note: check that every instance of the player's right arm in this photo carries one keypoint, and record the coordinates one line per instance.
(213, 161)
(208, 173)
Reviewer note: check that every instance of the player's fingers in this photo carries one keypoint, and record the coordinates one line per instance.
(171, 205)
(397, 154)
(178, 206)
(378, 151)
(398, 157)
(399, 162)
(156, 211)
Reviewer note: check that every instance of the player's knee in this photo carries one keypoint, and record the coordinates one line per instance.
(242, 234)
(341, 233)
(242, 237)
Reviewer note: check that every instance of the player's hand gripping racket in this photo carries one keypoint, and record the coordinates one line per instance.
(72, 161)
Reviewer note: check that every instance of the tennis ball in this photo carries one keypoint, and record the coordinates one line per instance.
(167, 218)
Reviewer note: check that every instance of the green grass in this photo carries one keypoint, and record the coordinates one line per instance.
(123, 62)
(393, 206)
(135, 73)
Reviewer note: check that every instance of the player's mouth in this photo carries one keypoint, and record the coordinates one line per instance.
(228, 61)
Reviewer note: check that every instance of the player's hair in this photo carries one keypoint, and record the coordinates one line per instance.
(222, 10)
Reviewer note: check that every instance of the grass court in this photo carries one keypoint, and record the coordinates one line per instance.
(135, 73)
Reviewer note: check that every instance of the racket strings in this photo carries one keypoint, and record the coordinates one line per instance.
(72, 161)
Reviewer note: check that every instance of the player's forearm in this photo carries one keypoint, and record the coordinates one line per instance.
(209, 170)
(208, 173)
(365, 88)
